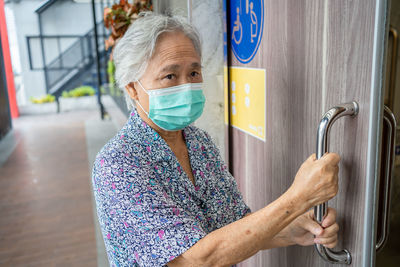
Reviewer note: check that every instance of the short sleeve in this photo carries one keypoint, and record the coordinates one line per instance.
(141, 225)
(226, 190)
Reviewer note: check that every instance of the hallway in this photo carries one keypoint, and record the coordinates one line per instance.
(47, 216)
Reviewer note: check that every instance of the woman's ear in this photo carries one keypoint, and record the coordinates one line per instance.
(130, 88)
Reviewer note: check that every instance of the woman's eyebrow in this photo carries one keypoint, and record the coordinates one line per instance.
(196, 65)
(175, 67)
(172, 67)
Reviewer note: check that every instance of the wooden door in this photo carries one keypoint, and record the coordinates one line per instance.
(315, 54)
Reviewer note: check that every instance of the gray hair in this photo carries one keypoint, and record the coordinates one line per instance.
(134, 50)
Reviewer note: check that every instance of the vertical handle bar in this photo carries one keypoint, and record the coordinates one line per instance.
(390, 120)
(348, 109)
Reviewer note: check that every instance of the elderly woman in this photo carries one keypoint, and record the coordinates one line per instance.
(164, 196)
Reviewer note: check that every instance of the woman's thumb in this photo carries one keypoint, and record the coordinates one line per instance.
(313, 227)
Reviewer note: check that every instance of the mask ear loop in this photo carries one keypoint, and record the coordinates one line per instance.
(137, 102)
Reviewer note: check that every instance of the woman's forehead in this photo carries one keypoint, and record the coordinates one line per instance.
(175, 47)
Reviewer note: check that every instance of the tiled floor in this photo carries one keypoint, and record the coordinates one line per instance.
(46, 205)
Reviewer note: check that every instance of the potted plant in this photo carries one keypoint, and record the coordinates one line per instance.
(117, 18)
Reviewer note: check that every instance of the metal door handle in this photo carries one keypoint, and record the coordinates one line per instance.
(390, 120)
(349, 109)
(393, 66)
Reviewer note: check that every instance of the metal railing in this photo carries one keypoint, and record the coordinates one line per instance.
(65, 63)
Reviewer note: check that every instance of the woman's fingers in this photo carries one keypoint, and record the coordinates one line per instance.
(328, 237)
(312, 226)
(327, 242)
(330, 231)
(330, 218)
(312, 158)
(316, 180)
(331, 158)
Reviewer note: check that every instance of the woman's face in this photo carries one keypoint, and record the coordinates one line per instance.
(174, 62)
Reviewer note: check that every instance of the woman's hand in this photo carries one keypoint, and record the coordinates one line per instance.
(283, 222)
(317, 180)
(303, 229)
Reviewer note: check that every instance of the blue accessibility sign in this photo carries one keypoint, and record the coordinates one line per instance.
(247, 22)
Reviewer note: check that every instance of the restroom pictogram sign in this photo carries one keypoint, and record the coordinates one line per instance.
(248, 100)
(247, 21)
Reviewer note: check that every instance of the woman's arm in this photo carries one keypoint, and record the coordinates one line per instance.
(241, 239)
(315, 182)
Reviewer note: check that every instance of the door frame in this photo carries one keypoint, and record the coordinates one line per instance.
(374, 132)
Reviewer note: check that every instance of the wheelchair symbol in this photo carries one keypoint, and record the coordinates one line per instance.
(246, 24)
(253, 18)
(237, 28)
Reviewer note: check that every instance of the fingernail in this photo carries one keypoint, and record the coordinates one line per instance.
(318, 231)
(317, 241)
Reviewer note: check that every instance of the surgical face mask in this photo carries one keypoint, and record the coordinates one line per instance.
(176, 107)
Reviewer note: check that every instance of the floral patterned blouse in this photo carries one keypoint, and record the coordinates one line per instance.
(149, 210)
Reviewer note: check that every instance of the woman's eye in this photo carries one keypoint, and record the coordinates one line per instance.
(194, 73)
(169, 76)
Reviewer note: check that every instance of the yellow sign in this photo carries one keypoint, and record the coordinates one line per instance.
(247, 100)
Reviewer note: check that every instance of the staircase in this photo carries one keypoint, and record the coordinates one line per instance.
(73, 66)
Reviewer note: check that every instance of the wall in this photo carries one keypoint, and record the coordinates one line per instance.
(26, 23)
(64, 17)
(14, 51)
(207, 17)
(5, 116)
